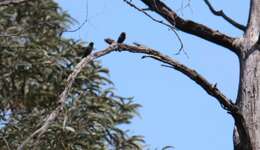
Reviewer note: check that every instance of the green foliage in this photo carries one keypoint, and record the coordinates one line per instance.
(35, 61)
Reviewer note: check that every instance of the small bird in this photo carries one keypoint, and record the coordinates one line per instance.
(88, 49)
(121, 37)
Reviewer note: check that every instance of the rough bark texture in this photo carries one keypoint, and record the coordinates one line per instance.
(249, 89)
(249, 98)
(190, 26)
(247, 48)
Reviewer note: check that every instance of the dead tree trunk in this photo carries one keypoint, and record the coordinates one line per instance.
(249, 90)
(249, 98)
(246, 110)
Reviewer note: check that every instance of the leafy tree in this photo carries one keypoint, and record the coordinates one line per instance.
(35, 61)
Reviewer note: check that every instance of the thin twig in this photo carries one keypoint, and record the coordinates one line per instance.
(223, 15)
(83, 23)
(188, 5)
(160, 22)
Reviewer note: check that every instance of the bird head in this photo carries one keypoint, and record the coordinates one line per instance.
(91, 44)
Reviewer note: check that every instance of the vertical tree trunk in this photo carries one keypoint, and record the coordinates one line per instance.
(249, 98)
(249, 89)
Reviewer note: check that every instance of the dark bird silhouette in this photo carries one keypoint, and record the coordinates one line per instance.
(121, 37)
(88, 49)
(109, 41)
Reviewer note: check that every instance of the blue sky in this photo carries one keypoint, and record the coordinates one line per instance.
(175, 110)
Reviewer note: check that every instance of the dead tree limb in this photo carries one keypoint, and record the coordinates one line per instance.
(192, 27)
(211, 89)
(171, 27)
(64, 94)
(224, 16)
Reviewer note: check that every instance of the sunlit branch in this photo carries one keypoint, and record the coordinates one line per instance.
(211, 89)
(192, 27)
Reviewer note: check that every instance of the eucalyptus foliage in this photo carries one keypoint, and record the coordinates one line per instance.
(35, 61)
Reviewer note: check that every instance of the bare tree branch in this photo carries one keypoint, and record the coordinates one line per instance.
(192, 74)
(8, 2)
(158, 21)
(83, 23)
(211, 89)
(192, 27)
(64, 94)
(223, 15)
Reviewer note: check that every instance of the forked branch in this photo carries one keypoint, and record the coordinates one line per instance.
(158, 21)
(192, 74)
(64, 94)
(192, 27)
(211, 89)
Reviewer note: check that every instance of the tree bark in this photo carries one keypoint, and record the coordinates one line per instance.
(248, 99)
(247, 48)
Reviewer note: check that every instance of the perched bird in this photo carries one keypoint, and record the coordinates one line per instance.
(121, 37)
(84, 51)
(88, 49)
